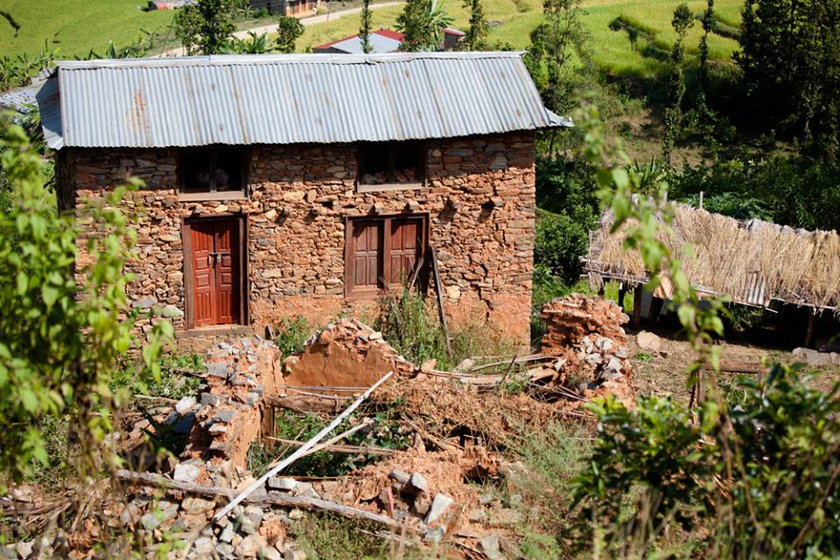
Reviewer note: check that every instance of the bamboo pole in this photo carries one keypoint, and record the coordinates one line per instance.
(303, 449)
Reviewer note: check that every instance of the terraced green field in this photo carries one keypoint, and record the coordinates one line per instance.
(513, 21)
(77, 26)
(74, 27)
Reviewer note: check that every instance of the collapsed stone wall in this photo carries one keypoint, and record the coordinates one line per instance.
(346, 353)
(586, 335)
(479, 197)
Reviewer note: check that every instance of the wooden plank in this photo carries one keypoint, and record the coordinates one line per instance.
(305, 448)
(283, 500)
(439, 293)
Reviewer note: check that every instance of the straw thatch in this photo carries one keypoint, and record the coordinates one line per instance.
(751, 262)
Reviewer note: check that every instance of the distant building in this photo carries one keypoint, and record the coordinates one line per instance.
(383, 41)
(287, 7)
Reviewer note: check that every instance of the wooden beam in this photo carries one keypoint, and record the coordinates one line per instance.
(305, 448)
(277, 499)
(439, 293)
(637, 305)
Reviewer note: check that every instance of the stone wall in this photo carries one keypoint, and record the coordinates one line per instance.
(479, 197)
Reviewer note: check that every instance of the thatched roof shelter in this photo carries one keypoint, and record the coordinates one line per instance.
(752, 262)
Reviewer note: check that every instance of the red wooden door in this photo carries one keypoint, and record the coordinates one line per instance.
(215, 259)
(405, 249)
(367, 267)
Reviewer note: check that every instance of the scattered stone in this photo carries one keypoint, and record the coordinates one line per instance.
(203, 547)
(294, 554)
(192, 505)
(188, 471)
(185, 405)
(225, 551)
(217, 429)
(491, 547)
(439, 506)
(417, 484)
(400, 476)
(305, 490)
(250, 546)
(227, 534)
(209, 399)
(434, 535)
(282, 483)
(225, 415)
(24, 548)
(812, 357)
(218, 369)
(269, 553)
(649, 341)
(465, 365)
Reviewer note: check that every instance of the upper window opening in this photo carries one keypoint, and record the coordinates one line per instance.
(392, 163)
(212, 170)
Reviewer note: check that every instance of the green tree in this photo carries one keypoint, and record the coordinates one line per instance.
(476, 36)
(554, 43)
(708, 22)
(59, 340)
(364, 27)
(206, 27)
(289, 30)
(422, 22)
(790, 57)
(682, 21)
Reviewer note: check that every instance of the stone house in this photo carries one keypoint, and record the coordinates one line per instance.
(285, 185)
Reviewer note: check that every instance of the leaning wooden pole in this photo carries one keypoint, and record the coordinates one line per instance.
(303, 449)
(439, 294)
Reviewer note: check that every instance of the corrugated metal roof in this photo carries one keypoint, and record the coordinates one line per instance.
(287, 99)
(19, 98)
(353, 45)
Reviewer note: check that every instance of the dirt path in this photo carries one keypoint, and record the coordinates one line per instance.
(313, 20)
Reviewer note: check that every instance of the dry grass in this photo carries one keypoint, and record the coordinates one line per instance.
(725, 256)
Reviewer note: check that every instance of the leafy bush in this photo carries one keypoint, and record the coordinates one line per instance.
(59, 339)
(291, 335)
(760, 477)
(559, 245)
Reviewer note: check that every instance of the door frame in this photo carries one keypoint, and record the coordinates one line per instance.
(244, 291)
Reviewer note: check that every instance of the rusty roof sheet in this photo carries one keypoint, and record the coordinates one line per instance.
(286, 99)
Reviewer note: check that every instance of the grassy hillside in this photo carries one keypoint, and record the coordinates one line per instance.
(513, 20)
(75, 26)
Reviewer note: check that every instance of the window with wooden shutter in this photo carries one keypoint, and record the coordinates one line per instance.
(212, 173)
(383, 253)
(391, 165)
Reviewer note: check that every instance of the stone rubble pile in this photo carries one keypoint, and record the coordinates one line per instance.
(586, 336)
(228, 412)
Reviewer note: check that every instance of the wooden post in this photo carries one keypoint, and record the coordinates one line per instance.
(439, 293)
(637, 305)
(622, 293)
(809, 333)
(655, 309)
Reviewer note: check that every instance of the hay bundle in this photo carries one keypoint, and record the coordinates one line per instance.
(752, 262)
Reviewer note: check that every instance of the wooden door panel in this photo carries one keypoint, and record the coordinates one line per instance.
(215, 259)
(226, 262)
(367, 264)
(201, 239)
(406, 244)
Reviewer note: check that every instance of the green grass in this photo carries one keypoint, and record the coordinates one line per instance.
(513, 20)
(74, 27)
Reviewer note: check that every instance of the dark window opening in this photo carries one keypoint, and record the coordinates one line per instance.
(210, 170)
(382, 163)
(384, 253)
